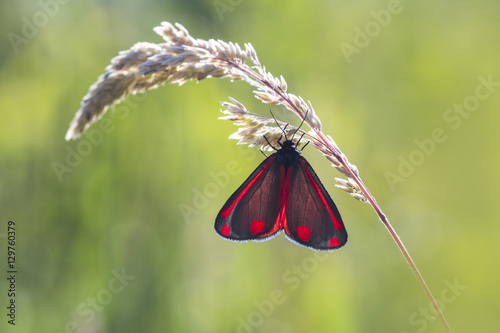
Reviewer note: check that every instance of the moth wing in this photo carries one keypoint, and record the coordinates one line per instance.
(251, 213)
(312, 218)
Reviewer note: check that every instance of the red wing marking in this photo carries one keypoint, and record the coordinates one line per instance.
(336, 223)
(334, 241)
(226, 212)
(303, 232)
(284, 192)
(257, 227)
(225, 230)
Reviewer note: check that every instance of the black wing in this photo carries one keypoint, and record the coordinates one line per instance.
(312, 218)
(251, 213)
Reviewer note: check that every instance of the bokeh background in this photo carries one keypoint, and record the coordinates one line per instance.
(121, 238)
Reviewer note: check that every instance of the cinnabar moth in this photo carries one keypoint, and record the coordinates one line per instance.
(283, 193)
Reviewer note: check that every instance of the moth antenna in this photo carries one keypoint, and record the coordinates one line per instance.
(304, 145)
(301, 123)
(276, 121)
(282, 129)
(270, 145)
(298, 141)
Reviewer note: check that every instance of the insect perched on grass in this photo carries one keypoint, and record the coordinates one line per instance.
(283, 193)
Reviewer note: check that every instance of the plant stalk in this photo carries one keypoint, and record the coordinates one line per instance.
(399, 243)
(371, 200)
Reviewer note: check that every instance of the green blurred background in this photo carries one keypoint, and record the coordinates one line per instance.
(105, 247)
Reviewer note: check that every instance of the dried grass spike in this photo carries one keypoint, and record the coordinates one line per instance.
(283, 86)
(251, 54)
(352, 188)
(266, 97)
(182, 58)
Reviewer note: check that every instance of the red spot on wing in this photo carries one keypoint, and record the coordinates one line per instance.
(257, 227)
(334, 241)
(226, 212)
(225, 230)
(284, 192)
(336, 223)
(303, 232)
